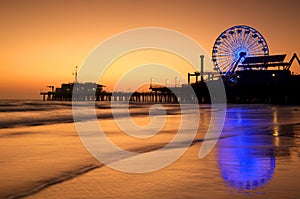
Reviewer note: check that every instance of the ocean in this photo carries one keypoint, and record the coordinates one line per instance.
(43, 156)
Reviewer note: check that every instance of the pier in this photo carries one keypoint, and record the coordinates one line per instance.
(249, 74)
(156, 94)
(256, 83)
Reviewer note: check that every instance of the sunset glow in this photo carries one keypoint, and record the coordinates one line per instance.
(43, 41)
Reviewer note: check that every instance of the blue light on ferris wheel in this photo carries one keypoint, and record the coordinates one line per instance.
(234, 41)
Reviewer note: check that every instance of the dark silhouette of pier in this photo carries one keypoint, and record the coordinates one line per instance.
(256, 83)
(264, 79)
(249, 74)
(158, 94)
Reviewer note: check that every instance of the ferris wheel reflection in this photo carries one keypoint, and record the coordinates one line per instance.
(246, 162)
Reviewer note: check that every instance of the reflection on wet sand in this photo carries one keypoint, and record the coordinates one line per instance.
(283, 134)
(244, 161)
(247, 159)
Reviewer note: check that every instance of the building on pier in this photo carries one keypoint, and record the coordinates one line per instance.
(85, 91)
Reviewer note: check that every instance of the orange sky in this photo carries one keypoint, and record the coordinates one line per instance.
(43, 41)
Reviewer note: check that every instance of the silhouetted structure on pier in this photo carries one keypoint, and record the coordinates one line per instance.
(257, 83)
(241, 56)
(254, 83)
(85, 91)
(242, 61)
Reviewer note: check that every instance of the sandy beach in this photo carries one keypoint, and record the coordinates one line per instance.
(257, 156)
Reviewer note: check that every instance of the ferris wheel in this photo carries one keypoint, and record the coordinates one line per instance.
(236, 43)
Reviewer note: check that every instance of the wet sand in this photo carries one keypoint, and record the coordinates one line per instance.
(188, 177)
(32, 159)
(257, 156)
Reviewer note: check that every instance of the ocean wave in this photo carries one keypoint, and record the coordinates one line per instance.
(40, 113)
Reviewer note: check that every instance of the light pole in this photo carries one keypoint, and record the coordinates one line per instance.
(167, 81)
(151, 82)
